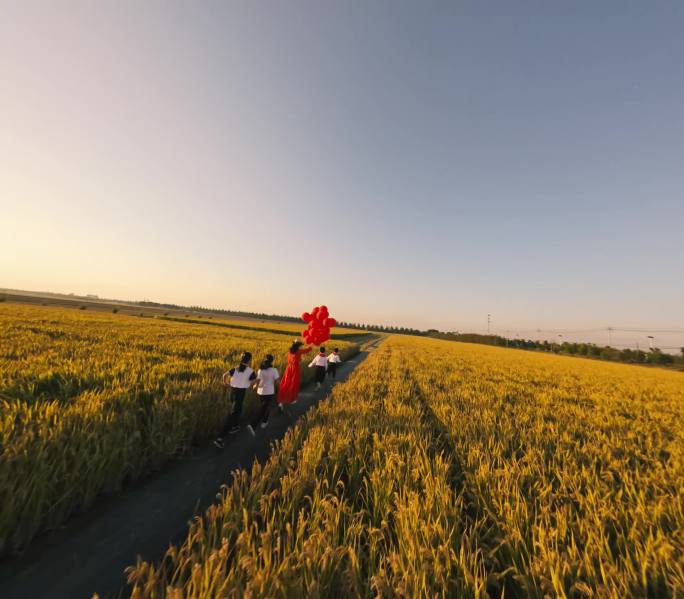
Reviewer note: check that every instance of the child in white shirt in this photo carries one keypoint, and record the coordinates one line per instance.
(321, 364)
(333, 360)
(265, 388)
(239, 380)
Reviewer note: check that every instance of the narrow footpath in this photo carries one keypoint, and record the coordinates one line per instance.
(90, 553)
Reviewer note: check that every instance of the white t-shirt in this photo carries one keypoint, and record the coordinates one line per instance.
(267, 379)
(334, 358)
(241, 380)
(319, 360)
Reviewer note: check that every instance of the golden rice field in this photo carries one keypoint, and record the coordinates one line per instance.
(89, 400)
(454, 470)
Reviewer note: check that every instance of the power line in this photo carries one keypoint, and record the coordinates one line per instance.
(599, 330)
(631, 345)
(650, 330)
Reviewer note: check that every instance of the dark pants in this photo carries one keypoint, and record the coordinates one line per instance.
(262, 414)
(332, 369)
(320, 374)
(238, 396)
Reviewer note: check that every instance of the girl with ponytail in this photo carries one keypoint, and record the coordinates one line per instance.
(265, 387)
(239, 380)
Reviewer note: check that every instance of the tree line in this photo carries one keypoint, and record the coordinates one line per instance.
(590, 350)
(220, 311)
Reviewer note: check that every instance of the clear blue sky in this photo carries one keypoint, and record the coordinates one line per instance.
(411, 163)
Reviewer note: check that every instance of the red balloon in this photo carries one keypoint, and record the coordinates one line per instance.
(320, 323)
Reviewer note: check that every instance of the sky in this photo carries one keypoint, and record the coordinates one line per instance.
(418, 164)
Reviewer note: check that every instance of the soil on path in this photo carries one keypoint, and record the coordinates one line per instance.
(90, 553)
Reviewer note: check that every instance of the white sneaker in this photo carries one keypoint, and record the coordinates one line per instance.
(264, 424)
(318, 386)
(281, 408)
(251, 430)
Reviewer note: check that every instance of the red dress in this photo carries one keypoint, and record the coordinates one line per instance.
(289, 384)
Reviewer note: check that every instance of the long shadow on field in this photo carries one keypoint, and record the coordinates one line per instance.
(91, 552)
(492, 538)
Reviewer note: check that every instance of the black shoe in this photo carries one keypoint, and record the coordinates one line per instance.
(218, 443)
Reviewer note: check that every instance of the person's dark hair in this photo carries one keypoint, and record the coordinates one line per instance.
(245, 359)
(335, 349)
(322, 349)
(295, 346)
(267, 362)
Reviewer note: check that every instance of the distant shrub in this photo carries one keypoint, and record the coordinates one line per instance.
(115, 310)
(83, 308)
(2, 298)
(166, 313)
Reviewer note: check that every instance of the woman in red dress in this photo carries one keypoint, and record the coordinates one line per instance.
(289, 384)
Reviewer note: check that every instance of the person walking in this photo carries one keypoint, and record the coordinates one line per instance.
(292, 377)
(239, 380)
(265, 388)
(333, 360)
(321, 364)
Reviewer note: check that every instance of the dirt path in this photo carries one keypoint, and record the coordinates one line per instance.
(90, 553)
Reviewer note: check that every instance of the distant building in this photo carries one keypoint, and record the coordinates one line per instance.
(91, 296)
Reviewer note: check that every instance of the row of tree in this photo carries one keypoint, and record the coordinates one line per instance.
(221, 312)
(591, 350)
(632, 356)
(378, 328)
(281, 317)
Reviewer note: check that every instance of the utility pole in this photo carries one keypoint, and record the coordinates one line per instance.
(489, 322)
(610, 336)
(651, 339)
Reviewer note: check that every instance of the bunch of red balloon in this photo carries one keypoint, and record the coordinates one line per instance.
(319, 327)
